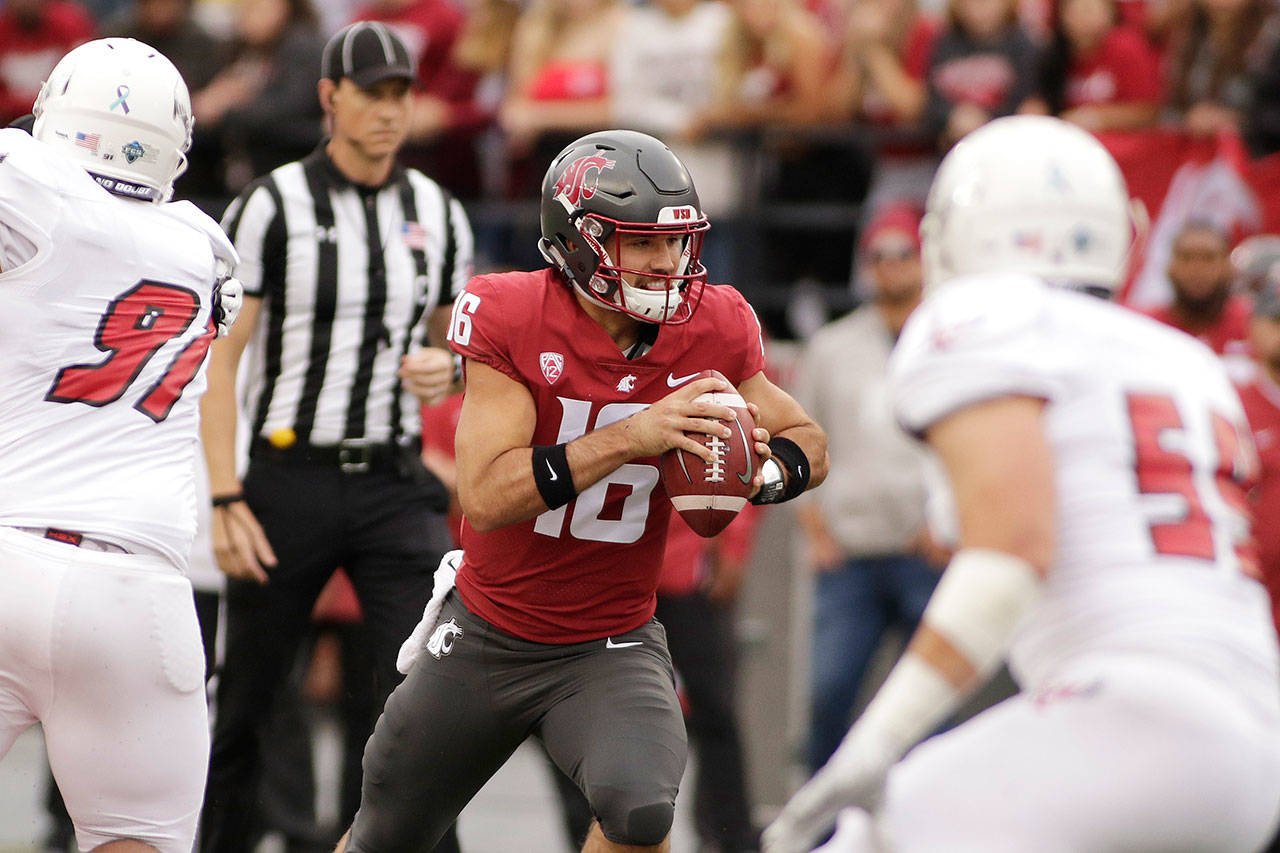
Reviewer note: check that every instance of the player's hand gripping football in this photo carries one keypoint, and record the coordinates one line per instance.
(854, 776)
(663, 425)
(239, 544)
(427, 374)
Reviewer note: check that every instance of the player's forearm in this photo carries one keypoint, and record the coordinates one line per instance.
(508, 492)
(963, 637)
(810, 438)
(218, 428)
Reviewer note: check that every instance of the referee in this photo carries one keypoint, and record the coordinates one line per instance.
(350, 264)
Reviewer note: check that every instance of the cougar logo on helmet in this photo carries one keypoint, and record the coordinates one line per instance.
(580, 178)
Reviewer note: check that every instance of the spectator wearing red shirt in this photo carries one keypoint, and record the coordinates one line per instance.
(1098, 73)
(1261, 399)
(1203, 305)
(445, 120)
(34, 35)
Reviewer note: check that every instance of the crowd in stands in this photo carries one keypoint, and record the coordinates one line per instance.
(772, 103)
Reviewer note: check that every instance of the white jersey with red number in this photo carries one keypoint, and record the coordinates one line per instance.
(1151, 455)
(105, 324)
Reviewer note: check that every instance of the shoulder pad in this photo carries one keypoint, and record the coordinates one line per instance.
(193, 216)
(977, 311)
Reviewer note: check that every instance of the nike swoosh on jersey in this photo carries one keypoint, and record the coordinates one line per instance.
(673, 380)
(610, 644)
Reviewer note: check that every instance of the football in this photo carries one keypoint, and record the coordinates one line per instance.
(709, 495)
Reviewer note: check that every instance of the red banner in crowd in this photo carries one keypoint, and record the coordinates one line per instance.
(1180, 178)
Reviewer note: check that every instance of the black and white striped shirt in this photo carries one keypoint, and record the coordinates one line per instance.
(348, 276)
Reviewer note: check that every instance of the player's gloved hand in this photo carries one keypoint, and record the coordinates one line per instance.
(228, 297)
(855, 776)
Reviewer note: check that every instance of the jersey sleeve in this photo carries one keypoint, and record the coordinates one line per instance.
(29, 201)
(255, 225)
(750, 354)
(976, 340)
(219, 243)
(480, 331)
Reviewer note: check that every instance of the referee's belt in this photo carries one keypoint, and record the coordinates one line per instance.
(351, 456)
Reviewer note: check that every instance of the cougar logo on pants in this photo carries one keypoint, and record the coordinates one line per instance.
(441, 642)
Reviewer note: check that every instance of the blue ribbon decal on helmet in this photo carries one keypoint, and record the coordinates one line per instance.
(122, 93)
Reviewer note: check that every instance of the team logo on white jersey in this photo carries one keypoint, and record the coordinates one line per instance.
(552, 364)
(627, 384)
(441, 642)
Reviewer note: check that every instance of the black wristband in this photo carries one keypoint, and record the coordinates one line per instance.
(552, 475)
(227, 500)
(794, 462)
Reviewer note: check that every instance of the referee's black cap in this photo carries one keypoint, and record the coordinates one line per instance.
(366, 52)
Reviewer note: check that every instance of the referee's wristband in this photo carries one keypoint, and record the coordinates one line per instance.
(219, 501)
(552, 475)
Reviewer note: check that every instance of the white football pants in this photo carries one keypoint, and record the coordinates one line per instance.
(1120, 754)
(104, 651)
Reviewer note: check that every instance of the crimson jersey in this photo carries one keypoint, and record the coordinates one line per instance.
(1124, 68)
(1261, 399)
(590, 568)
(1228, 336)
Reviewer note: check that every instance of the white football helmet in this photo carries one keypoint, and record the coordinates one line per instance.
(120, 108)
(1029, 194)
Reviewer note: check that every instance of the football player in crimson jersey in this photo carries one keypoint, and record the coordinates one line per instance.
(109, 299)
(578, 378)
(1099, 462)
(1261, 399)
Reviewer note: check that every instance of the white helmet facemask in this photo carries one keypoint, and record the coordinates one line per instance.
(1028, 194)
(122, 110)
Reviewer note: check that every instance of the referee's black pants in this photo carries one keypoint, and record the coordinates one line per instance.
(700, 635)
(387, 530)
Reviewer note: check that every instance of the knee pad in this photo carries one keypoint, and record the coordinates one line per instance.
(624, 819)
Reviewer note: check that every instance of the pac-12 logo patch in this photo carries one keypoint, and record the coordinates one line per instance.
(552, 364)
(441, 642)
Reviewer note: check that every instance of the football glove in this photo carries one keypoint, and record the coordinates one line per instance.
(855, 776)
(228, 297)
